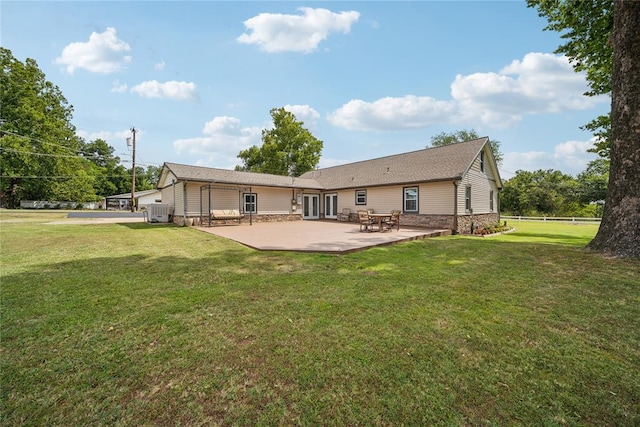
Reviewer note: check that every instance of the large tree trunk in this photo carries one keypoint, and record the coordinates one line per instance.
(619, 233)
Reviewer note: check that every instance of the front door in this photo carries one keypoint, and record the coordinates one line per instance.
(331, 206)
(310, 206)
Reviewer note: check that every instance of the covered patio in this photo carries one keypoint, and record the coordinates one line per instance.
(316, 236)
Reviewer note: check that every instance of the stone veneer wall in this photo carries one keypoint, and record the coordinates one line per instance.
(427, 221)
(255, 218)
(445, 221)
(479, 221)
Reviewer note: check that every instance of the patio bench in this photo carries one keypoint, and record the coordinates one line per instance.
(226, 214)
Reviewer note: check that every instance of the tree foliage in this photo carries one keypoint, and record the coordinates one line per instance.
(543, 192)
(39, 145)
(444, 138)
(553, 193)
(587, 27)
(593, 181)
(287, 149)
(42, 157)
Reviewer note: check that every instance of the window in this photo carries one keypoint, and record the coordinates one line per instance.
(250, 202)
(467, 198)
(482, 161)
(361, 197)
(411, 199)
(491, 200)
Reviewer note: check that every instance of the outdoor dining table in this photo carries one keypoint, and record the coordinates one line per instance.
(380, 217)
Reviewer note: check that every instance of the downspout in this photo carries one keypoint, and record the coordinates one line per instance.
(184, 203)
(498, 203)
(455, 207)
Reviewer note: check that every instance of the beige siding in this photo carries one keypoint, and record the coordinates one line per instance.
(384, 199)
(169, 180)
(269, 200)
(347, 199)
(179, 201)
(380, 199)
(273, 201)
(481, 187)
(433, 199)
(436, 198)
(167, 195)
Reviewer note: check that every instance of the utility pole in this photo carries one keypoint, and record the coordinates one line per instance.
(133, 170)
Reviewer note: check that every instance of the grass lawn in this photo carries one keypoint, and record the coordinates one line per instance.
(137, 324)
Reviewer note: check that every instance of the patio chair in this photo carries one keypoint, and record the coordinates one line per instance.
(365, 221)
(393, 221)
(345, 215)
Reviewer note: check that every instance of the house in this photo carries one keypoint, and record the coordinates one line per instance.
(449, 187)
(123, 201)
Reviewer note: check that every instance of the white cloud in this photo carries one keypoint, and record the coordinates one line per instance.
(392, 113)
(103, 53)
(170, 90)
(538, 84)
(274, 32)
(223, 138)
(118, 87)
(570, 157)
(160, 65)
(305, 114)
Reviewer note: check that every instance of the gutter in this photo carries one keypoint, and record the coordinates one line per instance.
(455, 206)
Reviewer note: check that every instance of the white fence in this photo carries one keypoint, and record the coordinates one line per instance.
(574, 219)
(42, 204)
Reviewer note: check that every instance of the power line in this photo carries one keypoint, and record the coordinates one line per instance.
(61, 176)
(48, 142)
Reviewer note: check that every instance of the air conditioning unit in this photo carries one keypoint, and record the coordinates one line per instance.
(158, 212)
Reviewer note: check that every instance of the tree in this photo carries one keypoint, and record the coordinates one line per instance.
(146, 179)
(40, 159)
(619, 232)
(465, 135)
(587, 25)
(287, 149)
(543, 192)
(593, 181)
(110, 177)
(604, 41)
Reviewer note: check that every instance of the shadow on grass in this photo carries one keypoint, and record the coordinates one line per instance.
(146, 225)
(554, 238)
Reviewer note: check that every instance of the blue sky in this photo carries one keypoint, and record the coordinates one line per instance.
(198, 79)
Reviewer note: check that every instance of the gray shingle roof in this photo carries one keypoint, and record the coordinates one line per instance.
(128, 195)
(444, 163)
(232, 177)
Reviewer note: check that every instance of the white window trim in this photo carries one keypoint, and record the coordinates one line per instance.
(404, 199)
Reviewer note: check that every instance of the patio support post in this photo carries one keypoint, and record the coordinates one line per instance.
(209, 209)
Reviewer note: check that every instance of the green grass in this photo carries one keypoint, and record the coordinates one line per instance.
(157, 325)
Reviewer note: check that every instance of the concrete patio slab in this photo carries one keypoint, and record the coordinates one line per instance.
(315, 236)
